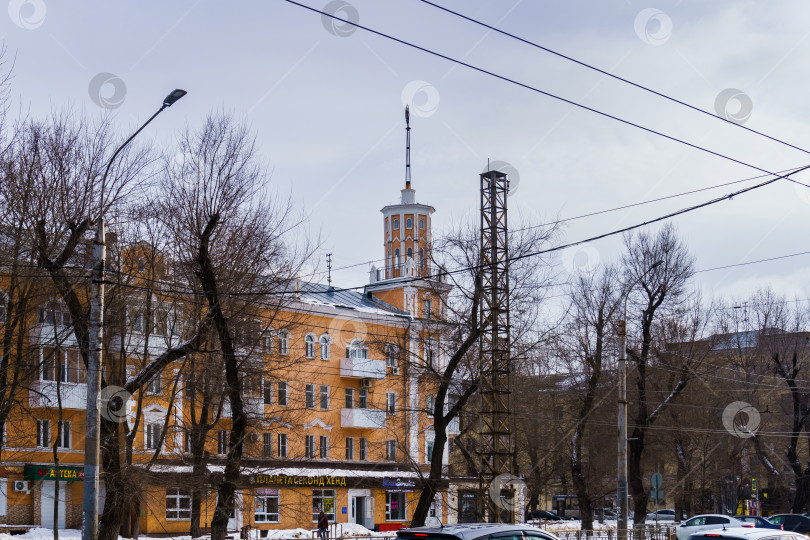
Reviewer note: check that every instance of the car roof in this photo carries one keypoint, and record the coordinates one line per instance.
(712, 515)
(748, 533)
(471, 530)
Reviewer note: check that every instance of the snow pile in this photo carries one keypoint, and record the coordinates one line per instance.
(39, 533)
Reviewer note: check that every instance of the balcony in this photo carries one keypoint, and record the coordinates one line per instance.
(43, 394)
(362, 368)
(362, 418)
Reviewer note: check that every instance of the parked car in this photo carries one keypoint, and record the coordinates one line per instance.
(759, 522)
(545, 515)
(705, 522)
(667, 514)
(792, 522)
(746, 533)
(476, 531)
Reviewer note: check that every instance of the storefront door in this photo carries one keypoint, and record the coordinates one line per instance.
(361, 508)
(235, 519)
(48, 499)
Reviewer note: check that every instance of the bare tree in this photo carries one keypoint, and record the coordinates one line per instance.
(228, 228)
(667, 314)
(594, 300)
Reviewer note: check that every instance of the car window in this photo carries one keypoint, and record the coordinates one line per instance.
(516, 535)
(537, 536)
(716, 520)
(694, 522)
(790, 521)
(778, 520)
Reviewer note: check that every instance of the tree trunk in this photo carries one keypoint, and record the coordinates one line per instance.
(233, 460)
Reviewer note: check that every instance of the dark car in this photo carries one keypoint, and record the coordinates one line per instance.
(476, 531)
(546, 515)
(792, 522)
(741, 533)
(759, 522)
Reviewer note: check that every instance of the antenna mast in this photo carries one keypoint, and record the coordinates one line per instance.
(407, 148)
(329, 269)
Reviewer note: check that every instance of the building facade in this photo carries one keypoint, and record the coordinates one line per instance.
(338, 391)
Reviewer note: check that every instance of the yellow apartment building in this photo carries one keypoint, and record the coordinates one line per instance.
(339, 400)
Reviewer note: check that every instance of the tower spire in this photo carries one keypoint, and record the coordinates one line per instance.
(407, 148)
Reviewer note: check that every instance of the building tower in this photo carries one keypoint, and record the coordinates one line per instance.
(407, 227)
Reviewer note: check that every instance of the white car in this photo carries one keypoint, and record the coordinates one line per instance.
(707, 521)
(667, 514)
(734, 533)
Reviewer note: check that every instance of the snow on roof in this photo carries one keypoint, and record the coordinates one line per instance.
(322, 295)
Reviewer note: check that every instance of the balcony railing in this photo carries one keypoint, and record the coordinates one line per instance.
(43, 394)
(362, 368)
(362, 418)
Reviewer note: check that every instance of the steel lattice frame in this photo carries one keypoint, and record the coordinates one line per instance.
(497, 450)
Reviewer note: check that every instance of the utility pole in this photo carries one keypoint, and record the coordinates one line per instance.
(92, 447)
(621, 484)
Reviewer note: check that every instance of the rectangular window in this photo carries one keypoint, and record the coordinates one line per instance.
(267, 344)
(324, 397)
(268, 392)
(324, 447)
(429, 354)
(350, 398)
(267, 444)
(63, 435)
(430, 406)
(282, 445)
(188, 387)
(283, 400)
(391, 402)
(422, 223)
(178, 504)
(310, 396)
(43, 433)
(187, 441)
(222, 441)
(362, 398)
(391, 359)
(428, 451)
(391, 450)
(267, 507)
(363, 449)
(309, 446)
(323, 499)
(428, 311)
(394, 506)
(284, 343)
(153, 432)
(153, 387)
(349, 448)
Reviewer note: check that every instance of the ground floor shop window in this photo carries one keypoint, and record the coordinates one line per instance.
(323, 499)
(267, 507)
(395, 506)
(178, 504)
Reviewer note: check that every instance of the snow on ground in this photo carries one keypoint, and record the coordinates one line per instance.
(340, 530)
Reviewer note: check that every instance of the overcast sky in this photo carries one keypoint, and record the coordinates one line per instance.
(326, 102)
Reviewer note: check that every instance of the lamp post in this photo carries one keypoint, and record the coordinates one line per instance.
(91, 445)
(621, 484)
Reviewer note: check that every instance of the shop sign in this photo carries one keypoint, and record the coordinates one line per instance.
(284, 480)
(399, 485)
(45, 472)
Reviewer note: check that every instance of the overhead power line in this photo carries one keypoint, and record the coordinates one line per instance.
(538, 90)
(612, 76)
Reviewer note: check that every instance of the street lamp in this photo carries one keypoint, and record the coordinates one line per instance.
(621, 487)
(91, 446)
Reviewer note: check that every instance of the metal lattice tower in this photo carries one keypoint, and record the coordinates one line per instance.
(497, 448)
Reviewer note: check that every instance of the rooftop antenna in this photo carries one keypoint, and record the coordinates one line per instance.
(407, 148)
(329, 269)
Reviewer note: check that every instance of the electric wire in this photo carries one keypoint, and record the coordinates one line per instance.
(538, 90)
(611, 75)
